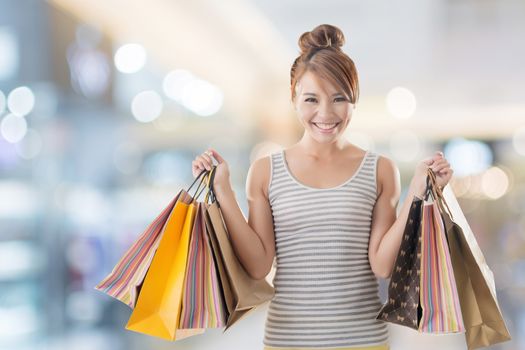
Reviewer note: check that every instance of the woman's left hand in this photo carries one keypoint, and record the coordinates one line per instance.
(441, 167)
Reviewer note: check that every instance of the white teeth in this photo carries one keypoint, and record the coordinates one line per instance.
(325, 126)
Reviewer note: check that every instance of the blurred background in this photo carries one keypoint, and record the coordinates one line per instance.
(104, 104)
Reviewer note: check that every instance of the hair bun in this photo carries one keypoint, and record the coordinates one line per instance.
(322, 36)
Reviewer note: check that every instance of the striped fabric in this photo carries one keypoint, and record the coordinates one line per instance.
(439, 298)
(375, 347)
(326, 295)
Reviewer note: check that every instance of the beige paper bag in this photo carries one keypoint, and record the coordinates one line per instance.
(242, 293)
(475, 281)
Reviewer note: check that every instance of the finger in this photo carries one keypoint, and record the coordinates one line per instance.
(197, 169)
(207, 157)
(196, 166)
(442, 170)
(199, 166)
(204, 162)
(447, 171)
(438, 167)
(216, 155)
(428, 161)
(440, 162)
(206, 165)
(209, 152)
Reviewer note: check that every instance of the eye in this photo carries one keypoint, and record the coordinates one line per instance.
(340, 99)
(310, 99)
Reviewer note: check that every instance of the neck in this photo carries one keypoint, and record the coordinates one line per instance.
(321, 150)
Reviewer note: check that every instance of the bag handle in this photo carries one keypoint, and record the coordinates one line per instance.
(207, 180)
(210, 194)
(209, 175)
(202, 180)
(209, 183)
(437, 194)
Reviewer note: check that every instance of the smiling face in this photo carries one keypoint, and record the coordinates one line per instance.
(322, 108)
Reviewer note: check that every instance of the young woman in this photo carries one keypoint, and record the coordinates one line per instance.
(325, 208)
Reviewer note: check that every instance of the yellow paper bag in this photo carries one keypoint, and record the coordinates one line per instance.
(158, 307)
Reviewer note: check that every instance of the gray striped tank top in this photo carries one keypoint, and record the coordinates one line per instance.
(326, 295)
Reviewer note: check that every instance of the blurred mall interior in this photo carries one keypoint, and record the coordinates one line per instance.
(105, 103)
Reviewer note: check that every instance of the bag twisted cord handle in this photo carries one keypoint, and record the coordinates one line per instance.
(437, 193)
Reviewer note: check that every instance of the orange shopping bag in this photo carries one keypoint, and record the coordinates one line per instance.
(158, 306)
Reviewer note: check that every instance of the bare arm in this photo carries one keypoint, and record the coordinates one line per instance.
(387, 230)
(252, 240)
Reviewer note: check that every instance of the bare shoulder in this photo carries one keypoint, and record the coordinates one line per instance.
(388, 174)
(259, 175)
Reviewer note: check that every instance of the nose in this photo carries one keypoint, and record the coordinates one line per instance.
(325, 109)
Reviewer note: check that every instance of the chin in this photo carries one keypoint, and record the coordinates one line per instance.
(324, 138)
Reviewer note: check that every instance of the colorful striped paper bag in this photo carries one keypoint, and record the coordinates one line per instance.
(203, 303)
(124, 282)
(441, 311)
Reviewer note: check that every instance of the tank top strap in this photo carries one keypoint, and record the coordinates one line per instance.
(368, 173)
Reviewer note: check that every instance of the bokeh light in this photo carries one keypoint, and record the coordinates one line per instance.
(202, 98)
(90, 71)
(13, 128)
(21, 101)
(495, 183)
(174, 83)
(468, 157)
(130, 58)
(146, 106)
(401, 102)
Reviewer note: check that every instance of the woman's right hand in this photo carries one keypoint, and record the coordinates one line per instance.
(203, 161)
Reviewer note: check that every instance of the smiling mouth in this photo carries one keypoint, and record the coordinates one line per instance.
(326, 126)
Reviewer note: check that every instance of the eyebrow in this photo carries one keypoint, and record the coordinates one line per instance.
(313, 94)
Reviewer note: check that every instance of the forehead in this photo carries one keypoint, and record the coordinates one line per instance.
(311, 82)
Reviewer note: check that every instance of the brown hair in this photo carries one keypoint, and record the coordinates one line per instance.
(321, 53)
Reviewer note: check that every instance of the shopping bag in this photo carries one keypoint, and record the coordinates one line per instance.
(203, 303)
(422, 293)
(157, 311)
(484, 323)
(124, 282)
(402, 306)
(242, 293)
(440, 310)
